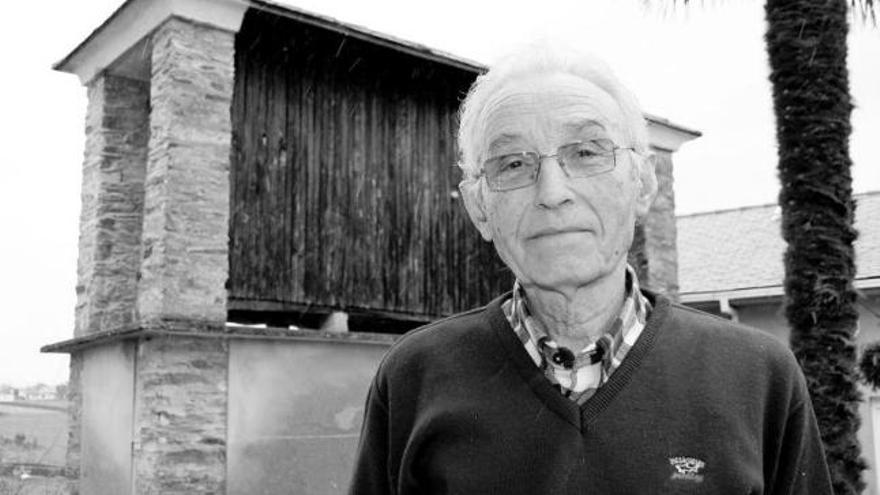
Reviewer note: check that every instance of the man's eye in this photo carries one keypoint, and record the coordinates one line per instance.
(585, 153)
(512, 164)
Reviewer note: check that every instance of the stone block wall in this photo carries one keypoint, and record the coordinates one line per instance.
(660, 247)
(180, 416)
(186, 213)
(117, 130)
(180, 390)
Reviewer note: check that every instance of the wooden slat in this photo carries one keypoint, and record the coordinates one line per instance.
(342, 168)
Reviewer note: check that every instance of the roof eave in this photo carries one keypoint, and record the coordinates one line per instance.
(134, 20)
(366, 34)
(869, 285)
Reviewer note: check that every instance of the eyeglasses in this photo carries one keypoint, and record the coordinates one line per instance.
(578, 160)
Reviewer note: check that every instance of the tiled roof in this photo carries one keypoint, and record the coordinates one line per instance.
(741, 249)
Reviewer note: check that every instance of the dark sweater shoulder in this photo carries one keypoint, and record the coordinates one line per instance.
(440, 344)
(730, 353)
(713, 334)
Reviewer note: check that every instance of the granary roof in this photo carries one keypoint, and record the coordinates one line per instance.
(738, 253)
(127, 27)
(356, 31)
(120, 45)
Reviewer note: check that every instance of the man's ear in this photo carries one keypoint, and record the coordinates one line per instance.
(472, 195)
(647, 184)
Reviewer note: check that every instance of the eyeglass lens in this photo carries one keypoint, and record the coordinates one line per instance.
(579, 160)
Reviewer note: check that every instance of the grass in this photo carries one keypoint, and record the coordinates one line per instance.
(34, 486)
(41, 428)
(33, 432)
(55, 405)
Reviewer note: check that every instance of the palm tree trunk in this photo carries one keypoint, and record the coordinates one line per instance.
(806, 42)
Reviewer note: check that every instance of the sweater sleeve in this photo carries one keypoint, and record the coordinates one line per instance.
(371, 471)
(801, 465)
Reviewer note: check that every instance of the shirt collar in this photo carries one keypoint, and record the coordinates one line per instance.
(633, 313)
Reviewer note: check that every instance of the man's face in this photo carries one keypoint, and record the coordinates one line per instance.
(559, 233)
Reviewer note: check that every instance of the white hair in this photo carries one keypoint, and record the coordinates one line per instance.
(542, 58)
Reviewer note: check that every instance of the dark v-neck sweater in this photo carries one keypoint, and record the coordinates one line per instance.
(699, 405)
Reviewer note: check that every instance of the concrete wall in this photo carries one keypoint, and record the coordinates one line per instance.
(295, 413)
(108, 391)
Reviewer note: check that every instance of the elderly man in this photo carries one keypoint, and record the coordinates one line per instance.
(578, 381)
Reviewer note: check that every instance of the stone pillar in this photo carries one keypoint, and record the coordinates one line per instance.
(636, 256)
(114, 165)
(179, 443)
(660, 247)
(117, 130)
(186, 212)
(180, 416)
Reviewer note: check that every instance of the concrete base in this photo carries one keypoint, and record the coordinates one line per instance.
(240, 412)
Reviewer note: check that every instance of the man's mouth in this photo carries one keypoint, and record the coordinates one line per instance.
(552, 231)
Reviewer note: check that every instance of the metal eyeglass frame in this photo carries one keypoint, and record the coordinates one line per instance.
(562, 165)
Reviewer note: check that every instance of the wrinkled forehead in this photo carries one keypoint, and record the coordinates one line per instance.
(546, 111)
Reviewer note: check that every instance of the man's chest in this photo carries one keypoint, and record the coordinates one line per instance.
(523, 445)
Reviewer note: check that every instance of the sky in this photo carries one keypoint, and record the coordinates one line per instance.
(701, 66)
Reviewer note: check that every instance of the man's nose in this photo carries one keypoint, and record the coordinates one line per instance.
(552, 189)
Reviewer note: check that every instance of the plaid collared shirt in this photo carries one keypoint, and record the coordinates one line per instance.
(578, 375)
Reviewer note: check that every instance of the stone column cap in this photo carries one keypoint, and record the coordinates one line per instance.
(119, 43)
(666, 135)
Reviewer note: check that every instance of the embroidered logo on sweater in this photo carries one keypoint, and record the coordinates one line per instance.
(687, 468)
